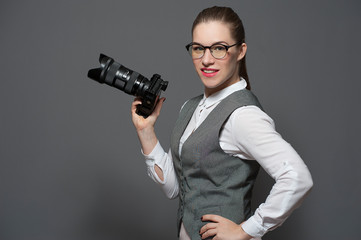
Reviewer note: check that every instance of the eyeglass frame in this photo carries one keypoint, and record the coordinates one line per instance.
(209, 47)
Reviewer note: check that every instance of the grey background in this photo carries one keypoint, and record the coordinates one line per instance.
(70, 162)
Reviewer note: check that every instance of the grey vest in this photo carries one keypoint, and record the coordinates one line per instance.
(211, 181)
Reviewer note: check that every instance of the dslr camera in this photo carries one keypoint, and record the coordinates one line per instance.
(116, 75)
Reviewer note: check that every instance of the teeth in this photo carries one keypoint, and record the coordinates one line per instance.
(208, 71)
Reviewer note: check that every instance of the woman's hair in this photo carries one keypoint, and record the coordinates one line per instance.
(228, 16)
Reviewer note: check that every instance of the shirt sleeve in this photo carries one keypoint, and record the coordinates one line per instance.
(164, 161)
(257, 138)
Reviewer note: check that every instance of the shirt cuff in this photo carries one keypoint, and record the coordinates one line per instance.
(157, 151)
(253, 228)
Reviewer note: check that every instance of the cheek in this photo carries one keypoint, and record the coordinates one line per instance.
(231, 64)
(196, 64)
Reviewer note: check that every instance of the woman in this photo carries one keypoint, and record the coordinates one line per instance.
(219, 141)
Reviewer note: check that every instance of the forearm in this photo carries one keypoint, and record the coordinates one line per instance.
(293, 182)
(147, 139)
(261, 142)
(159, 159)
(287, 194)
(145, 130)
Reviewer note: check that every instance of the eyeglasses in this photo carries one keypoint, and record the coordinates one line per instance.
(218, 50)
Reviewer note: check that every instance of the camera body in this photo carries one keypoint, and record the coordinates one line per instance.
(130, 82)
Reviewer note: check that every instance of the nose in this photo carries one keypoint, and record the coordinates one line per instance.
(207, 58)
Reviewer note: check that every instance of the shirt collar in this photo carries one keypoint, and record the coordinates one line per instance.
(220, 95)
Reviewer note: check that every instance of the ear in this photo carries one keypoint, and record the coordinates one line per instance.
(242, 51)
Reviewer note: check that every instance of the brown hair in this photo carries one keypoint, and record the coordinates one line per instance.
(226, 15)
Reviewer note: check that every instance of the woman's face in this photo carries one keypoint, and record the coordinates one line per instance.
(217, 74)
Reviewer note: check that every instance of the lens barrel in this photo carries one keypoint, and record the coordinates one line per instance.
(130, 82)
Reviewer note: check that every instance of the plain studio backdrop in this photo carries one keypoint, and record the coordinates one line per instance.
(70, 161)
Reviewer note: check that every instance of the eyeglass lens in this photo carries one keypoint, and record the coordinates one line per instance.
(217, 51)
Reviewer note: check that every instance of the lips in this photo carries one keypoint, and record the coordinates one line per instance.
(209, 72)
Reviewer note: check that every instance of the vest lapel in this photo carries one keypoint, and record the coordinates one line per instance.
(184, 118)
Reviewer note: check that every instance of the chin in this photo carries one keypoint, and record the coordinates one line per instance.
(211, 83)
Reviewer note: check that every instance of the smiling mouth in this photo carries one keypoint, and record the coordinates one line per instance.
(209, 70)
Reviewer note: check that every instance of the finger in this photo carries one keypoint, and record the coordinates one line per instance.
(207, 227)
(159, 105)
(211, 218)
(135, 103)
(209, 233)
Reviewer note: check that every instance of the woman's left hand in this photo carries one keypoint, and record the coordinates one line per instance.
(222, 228)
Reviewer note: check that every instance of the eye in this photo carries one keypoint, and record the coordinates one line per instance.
(218, 48)
(197, 48)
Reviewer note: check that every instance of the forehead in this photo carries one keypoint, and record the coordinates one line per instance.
(208, 33)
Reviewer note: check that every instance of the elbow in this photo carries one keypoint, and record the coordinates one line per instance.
(171, 192)
(298, 181)
(171, 195)
(308, 184)
(305, 182)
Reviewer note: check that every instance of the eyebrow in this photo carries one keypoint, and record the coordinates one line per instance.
(219, 42)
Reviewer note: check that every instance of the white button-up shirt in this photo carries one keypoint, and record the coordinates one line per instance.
(249, 133)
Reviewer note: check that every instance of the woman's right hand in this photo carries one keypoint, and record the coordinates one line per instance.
(142, 123)
(145, 126)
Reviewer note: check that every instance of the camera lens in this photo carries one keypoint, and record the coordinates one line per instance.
(116, 75)
(130, 82)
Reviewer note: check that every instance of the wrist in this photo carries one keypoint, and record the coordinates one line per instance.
(146, 131)
(244, 235)
(147, 139)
